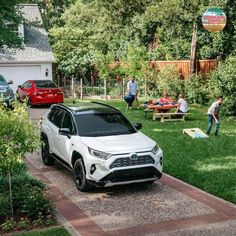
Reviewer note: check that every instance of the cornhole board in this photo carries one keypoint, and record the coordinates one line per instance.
(195, 133)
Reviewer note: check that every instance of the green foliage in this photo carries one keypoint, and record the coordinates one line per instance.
(168, 80)
(30, 202)
(10, 17)
(223, 82)
(48, 232)
(197, 91)
(36, 205)
(4, 206)
(17, 137)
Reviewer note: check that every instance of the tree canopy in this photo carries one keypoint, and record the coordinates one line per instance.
(164, 28)
(10, 18)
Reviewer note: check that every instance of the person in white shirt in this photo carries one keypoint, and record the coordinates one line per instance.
(182, 105)
(132, 89)
(213, 114)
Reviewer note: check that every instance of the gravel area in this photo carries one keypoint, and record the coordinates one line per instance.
(227, 228)
(124, 206)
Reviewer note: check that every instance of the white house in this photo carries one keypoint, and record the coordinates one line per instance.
(35, 60)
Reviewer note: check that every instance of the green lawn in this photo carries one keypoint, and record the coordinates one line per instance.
(209, 164)
(47, 232)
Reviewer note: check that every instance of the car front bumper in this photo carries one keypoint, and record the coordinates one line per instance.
(110, 172)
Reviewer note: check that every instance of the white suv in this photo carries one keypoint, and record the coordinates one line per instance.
(100, 145)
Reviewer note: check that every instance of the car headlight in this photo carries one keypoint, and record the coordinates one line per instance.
(99, 154)
(155, 149)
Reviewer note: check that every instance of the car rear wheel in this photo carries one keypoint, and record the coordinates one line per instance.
(48, 160)
(80, 176)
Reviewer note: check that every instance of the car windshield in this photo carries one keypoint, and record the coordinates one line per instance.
(105, 124)
(2, 81)
(45, 84)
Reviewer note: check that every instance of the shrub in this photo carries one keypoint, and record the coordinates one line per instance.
(169, 80)
(4, 205)
(196, 91)
(223, 82)
(25, 190)
(36, 205)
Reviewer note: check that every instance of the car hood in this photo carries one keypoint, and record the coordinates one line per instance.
(137, 142)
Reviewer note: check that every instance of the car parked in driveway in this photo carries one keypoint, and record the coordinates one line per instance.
(38, 92)
(100, 146)
(6, 93)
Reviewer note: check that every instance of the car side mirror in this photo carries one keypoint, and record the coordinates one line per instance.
(138, 126)
(10, 82)
(65, 131)
(19, 86)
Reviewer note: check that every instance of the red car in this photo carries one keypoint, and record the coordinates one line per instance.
(37, 92)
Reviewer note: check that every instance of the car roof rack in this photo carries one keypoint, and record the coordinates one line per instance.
(100, 103)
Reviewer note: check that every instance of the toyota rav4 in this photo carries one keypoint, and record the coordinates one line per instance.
(99, 145)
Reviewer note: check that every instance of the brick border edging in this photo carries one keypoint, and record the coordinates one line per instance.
(84, 225)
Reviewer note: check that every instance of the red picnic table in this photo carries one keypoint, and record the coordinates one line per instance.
(161, 108)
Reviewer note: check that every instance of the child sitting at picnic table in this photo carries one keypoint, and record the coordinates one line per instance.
(166, 99)
(182, 105)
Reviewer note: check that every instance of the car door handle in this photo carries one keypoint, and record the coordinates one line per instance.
(47, 128)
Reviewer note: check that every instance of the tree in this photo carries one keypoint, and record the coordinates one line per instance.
(10, 18)
(17, 137)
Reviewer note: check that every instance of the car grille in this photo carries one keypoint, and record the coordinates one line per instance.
(131, 174)
(127, 161)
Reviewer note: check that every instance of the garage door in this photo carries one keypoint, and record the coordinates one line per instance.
(19, 74)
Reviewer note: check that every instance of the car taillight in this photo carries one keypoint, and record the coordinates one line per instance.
(38, 93)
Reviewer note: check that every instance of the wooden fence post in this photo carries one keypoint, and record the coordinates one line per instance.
(192, 64)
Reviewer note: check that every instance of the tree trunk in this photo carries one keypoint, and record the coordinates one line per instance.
(145, 88)
(81, 88)
(10, 193)
(123, 87)
(105, 88)
(72, 86)
(192, 65)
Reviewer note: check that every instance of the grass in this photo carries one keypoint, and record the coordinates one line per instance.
(209, 164)
(58, 231)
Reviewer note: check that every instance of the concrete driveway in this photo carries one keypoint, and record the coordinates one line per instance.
(168, 207)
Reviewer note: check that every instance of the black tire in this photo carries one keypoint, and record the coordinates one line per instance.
(48, 160)
(150, 182)
(18, 97)
(28, 102)
(80, 176)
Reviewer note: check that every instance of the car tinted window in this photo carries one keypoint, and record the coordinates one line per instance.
(44, 84)
(56, 116)
(28, 85)
(67, 123)
(103, 125)
(24, 85)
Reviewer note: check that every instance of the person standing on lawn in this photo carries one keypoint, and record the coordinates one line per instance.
(132, 89)
(213, 114)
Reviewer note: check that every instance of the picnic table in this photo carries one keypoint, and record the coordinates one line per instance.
(162, 112)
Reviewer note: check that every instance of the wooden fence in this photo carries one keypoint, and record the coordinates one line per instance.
(203, 67)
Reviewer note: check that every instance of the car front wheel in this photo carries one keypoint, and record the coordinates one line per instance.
(80, 176)
(48, 160)
(28, 101)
